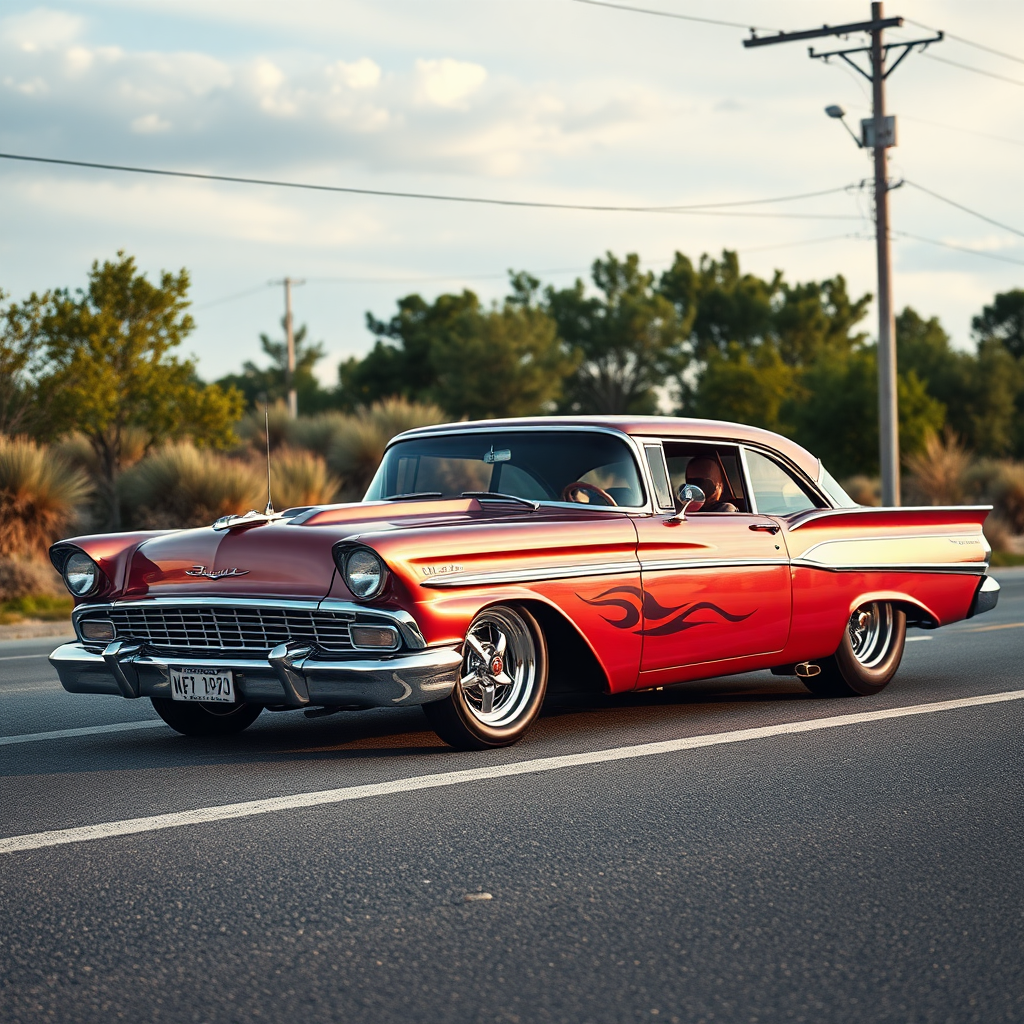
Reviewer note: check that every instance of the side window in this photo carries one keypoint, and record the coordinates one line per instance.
(679, 455)
(659, 476)
(776, 492)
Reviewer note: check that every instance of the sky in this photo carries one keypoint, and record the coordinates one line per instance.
(543, 100)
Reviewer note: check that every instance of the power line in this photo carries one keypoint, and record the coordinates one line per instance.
(966, 209)
(968, 42)
(696, 208)
(805, 241)
(977, 71)
(966, 131)
(960, 248)
(672, 14)
(231, 298)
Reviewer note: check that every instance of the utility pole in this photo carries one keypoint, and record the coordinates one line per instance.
(289, 335)
(879, 134)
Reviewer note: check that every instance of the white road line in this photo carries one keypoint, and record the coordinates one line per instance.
(89, 730)
(22, 657)
(250, 808)
(915, 639)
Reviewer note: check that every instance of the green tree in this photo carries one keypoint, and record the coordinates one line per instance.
(1004, 321)
(19, 410)
(628, 338)
(746, 386)
(471, 360)
(836, 414)
(979, 389)
(107, 367)
(270, 384)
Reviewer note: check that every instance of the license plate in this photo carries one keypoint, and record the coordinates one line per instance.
(214, 684)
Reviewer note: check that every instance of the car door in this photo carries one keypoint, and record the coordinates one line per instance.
(716, 585)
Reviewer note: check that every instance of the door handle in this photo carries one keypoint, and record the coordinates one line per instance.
(767, 527)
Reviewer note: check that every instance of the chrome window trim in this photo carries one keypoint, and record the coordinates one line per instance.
(751, 496)
(647, 507)
(645, 444)
(787, 467)
(401, 619)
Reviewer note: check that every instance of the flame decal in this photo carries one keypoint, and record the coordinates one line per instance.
(633, 599)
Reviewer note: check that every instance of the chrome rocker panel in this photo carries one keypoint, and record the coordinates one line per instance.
(291, 676)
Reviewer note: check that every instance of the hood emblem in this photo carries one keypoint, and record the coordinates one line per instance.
(214, 574)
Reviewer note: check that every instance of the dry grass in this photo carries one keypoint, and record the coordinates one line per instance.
(301, 478)
(360, 440)
(865, 490)
(40, 497)
(939, 474)
(182, 486)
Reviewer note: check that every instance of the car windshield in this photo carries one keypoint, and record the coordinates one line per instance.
(537, 465)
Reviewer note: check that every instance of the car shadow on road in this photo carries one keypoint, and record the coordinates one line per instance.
(568, 722)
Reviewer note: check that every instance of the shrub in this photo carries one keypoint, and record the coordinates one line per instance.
(998, 533)
(939, 474)
(252, 428)
(25, 577)
(301, 478)
(360, 441)
(181, 486)
(40, 497)
(318, 433)
(1007, 494)
(865, 490)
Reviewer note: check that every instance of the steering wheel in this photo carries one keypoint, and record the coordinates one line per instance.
(571, 492)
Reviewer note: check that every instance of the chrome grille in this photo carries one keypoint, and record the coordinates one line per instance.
(187, 628)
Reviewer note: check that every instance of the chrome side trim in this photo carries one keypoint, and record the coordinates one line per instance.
(956, 568)
(986, 598)
(660, 564)
(401, 619)
(812, 515)
(562, 572)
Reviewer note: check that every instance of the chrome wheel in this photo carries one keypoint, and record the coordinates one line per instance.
(499, 667)
(871, 630)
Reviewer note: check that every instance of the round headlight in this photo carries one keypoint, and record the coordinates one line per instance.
(364, 573)
(81, 574)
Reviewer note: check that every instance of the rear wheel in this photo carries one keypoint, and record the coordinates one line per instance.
(206, 718)
(868, 656)
(501, 685)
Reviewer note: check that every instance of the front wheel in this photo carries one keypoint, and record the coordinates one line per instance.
(501, 685)
(206, 718)
(868, 656)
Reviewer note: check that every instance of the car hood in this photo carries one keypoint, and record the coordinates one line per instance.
(292, 558)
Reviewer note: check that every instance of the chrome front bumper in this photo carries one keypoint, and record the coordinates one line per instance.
(290, 676)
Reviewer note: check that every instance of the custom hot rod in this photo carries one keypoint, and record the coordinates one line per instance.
(491, 561)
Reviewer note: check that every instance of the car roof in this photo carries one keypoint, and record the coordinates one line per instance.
(650, 426)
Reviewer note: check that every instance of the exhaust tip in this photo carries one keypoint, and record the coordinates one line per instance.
(808, 670)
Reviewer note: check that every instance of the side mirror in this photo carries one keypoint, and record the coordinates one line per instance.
(692, 498)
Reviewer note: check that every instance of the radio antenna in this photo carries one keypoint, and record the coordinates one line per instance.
(269, 510)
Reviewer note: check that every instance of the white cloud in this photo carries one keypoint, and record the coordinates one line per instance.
(447, 82)
(148, 124)
(361, 74)
(40, 30)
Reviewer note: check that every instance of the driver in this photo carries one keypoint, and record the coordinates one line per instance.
(706, 474)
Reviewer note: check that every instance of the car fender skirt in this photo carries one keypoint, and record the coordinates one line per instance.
(289, 677)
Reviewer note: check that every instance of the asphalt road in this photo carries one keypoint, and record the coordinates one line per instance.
(865, 872)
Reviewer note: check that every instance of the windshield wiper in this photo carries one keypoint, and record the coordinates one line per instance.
(409, 495)
(498, 496)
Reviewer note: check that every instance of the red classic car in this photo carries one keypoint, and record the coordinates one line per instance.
(492, 562)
